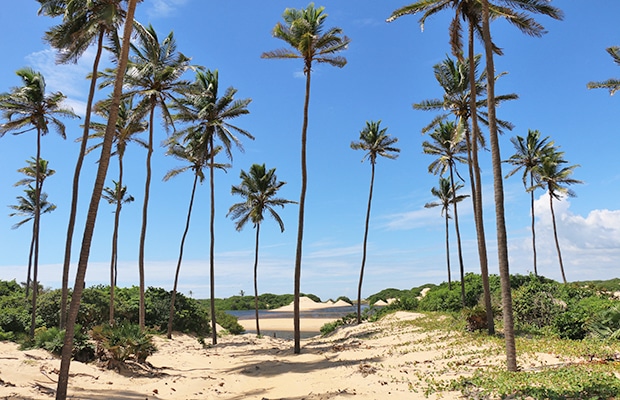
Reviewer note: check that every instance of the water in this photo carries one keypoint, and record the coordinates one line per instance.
(331, 313)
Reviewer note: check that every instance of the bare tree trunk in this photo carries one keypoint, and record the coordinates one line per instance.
(477, 190)
(359, 288)
(300, 225)
(458, 237)
(533, 222)
(37, 220)
(256, 278)
(212, 244)
(76, 182)
(448, 249)
(30, 257)
(145, 210)
(502, 242)
(555, 235)
(89, 227)
(178, 270)
(117, 218)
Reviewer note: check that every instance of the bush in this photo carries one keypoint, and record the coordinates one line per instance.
(122, 342)
(228, 322)
(52, 340)
(536, 304)
(14, 313)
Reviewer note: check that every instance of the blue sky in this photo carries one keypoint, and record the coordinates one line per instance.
(389, 68)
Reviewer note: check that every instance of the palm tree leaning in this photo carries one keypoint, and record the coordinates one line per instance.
(154, 75)
(376, 142)
(28, 108)
(448, 143)
(529, 154)
(303, 31)
(612, 84)
(91, 216)
(259, 188)
(208, 115)
(116, 196)
(556, 179)
(30, 202)
(129, 123)
(190, 149)
(446, 195)
(84, 22)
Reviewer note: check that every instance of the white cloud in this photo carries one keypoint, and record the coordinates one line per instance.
(69, 79)
(164, 8)
(590, 245)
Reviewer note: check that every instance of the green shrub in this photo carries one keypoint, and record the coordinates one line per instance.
(606, 324)
(14, 313)
(52, 340)
(122, 342)
(442, 299)
(536, 304)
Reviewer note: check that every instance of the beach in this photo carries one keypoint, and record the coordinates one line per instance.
(390, 358)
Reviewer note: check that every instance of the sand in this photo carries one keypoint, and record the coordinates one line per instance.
(389, 359)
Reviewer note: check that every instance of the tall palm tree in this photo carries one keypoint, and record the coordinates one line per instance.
(116, 196)
(31, 172)
(259, 188)
(28, 108)
(91, 216)
(376, 142)
(448, 144)
(209, 114)
(456, 77)
(154, 74)
(129, 123)
(303, 31)
(529, 154)
(187, 145)
(446, 195)
(613, 84)
(84, 22)
(26, 207)
(470, 11)
(555, 178)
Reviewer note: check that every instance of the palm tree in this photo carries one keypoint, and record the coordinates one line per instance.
(154, 74)
(498, 186)
(129, 123)
(192, 152)
(303, 31)
(612, 84)
(26, 207)
(550, 174)
(455, 78)
(470, 11)
(84, 23)
(376, 142)
(446, 194)
(259, 188)
(529, 154)
(31, 172)
(28, 108)
(448, 144)
(89, 226)
(209, 114)
(117, 196)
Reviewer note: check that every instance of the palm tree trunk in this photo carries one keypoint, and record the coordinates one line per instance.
(89, 227)
(256, 278)
(181, 247)
(37, 219)
(30, 257)
(477, 190)
(533, 229)
(458, 236)
(448, 250)
(117, 218)
(555, 235)
(76, 183)
(359, 287)
(300, 224)
(212, 244)
(502, 242)
(145, 210)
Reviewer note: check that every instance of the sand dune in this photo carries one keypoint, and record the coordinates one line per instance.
(388, 359)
